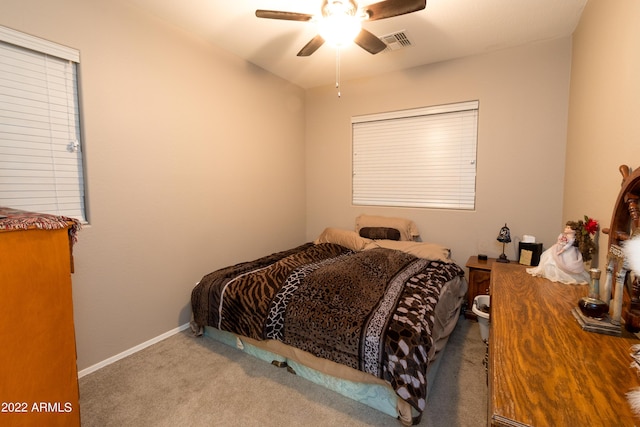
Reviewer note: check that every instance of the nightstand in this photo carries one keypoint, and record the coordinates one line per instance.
(479, 281)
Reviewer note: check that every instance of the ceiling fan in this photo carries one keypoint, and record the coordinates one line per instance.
(343, 18)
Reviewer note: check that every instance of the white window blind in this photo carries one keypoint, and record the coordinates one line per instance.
(424, 157)
(41, 166)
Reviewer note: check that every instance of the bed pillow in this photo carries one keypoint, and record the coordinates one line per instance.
(430, 251)
(375, 233)
(347, 238)
(407, 228)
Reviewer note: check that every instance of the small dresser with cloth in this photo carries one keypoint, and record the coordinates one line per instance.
(38, 372)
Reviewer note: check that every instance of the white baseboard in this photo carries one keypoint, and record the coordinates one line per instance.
(131, 351)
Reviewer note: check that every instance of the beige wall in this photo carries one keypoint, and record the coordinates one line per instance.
(194, 159)
(523, 96)
(604, 119)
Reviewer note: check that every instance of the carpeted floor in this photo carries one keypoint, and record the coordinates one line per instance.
(188, 381)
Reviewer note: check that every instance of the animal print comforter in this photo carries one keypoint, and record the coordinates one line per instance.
(370, 310)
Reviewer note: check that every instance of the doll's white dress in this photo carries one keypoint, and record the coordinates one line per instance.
(562, 262)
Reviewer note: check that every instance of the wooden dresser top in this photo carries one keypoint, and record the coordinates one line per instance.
(544, 370)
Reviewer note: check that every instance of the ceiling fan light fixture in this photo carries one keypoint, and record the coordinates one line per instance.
(339, 24)
(339, 30)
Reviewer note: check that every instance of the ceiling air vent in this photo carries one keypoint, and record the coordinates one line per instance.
(395, 41)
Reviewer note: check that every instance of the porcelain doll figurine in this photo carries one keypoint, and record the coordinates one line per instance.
(562, 262)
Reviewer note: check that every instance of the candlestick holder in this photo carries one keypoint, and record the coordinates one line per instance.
(591, 305)
(611, 322)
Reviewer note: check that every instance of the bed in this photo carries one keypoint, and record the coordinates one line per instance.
(364, 312)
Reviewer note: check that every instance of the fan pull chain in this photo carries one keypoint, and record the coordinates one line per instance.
(338, 71)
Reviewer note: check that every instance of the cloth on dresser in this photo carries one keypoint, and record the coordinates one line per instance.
(16, 219)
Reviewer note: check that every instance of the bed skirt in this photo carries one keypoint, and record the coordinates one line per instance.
(374, 393)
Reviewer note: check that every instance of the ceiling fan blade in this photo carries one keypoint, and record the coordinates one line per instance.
(390, 8)
(313, 45)
(289, 16)
(369, 42)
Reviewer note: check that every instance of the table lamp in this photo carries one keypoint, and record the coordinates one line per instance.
(505, 237)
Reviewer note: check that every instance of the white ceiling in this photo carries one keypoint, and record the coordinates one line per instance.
(445, 29)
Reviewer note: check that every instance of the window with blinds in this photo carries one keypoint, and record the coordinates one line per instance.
(424, 157)
(41, 166)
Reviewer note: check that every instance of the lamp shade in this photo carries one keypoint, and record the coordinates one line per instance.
(505, 235)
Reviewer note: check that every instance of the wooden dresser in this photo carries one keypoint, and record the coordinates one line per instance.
(544, 370)
(38, 373)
